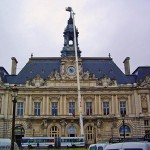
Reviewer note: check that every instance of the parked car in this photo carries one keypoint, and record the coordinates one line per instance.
(98, 146)
(129, 146)
(5, 144)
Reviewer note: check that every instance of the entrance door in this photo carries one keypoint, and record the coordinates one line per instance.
(72, 131)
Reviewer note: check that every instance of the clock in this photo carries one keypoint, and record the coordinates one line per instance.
(71, 70)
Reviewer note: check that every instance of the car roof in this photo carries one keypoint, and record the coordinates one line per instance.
(127, 145)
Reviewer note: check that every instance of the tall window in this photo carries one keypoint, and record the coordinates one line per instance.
(19, 108)
(54, 131)
(37, 108)
(72, 107)
(106, 108)
(89, 132)
(88, 108)
(146, 123)
(122, 107)
(55, 108)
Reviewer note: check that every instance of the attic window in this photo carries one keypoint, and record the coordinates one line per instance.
(31, 71)
(110, 71)
(99, 71)
(42, 71)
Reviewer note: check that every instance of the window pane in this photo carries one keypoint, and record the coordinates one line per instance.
(106, 108)
(123, 107)
(54, 108)
(37, 108)
(88, 108)
(72, 107)
(19, 108)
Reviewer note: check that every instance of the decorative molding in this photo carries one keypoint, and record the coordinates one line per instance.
(99, 123)
(125, 97)
(106, 97)
(37, 81)
(106, 81)
(87, 97)
(72, 97)
(144, 103)
(37, 98)
(54, 97)
(145, 82)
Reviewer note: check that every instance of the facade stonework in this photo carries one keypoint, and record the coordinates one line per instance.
(47, 101)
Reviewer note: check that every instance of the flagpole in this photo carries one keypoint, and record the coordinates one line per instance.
(78, 78)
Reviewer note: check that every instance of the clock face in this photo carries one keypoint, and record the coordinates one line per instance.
(71, 70)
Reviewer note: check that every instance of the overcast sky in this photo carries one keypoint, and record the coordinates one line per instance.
(118, 27)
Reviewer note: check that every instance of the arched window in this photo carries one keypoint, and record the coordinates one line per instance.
(54, 131)
(127, 130)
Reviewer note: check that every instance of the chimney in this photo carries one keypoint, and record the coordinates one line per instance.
(14, 66)
(127, 65)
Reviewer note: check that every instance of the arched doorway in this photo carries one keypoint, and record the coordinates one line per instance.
(19, 133)
(124, 129)
(72, 131)
(54, 131)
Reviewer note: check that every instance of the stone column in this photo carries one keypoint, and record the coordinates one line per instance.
(100, 105)
(44, 106)
(30, 106)
(116, 104)
(137, 102)
(65, 105)
(148, 102)
(2, 104)
(83, 108)
(129, 104)
(61, 104)
(63, 125)
(26, 105)
(48, 105)
(112, 105)
(95, 105)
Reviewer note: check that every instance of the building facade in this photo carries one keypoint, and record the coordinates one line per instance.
(47, 102)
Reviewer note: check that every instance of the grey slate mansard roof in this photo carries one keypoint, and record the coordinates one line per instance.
(141, 72)
(100, 66)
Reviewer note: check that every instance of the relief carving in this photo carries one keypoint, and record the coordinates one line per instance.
(37, 81)
(145, 82)
(106, 81)
(99, 123)
(144, 103)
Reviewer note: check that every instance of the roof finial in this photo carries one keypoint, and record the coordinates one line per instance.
(31, 55)
(109, 55)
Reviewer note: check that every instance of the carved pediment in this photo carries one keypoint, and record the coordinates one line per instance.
(106, 81)
(145, 82)
(125, 97)
(37, 81)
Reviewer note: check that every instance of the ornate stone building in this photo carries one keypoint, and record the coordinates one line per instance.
(47, 102)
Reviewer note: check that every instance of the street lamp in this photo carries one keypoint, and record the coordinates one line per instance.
(14, 95)
(123, 122)
(77, 68)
